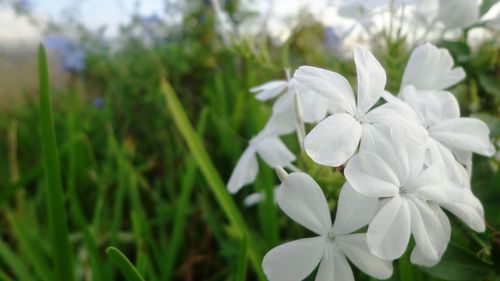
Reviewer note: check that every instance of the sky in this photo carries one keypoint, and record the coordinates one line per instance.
(92, 13)
(113, 13)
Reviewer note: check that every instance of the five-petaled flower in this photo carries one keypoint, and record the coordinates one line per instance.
(302, 199)
(334, 140)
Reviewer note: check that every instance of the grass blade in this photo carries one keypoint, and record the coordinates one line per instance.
(211, 175)
(29, 246)
(121, 261)
(54, 193)
(181, 212)
(15, 263)
(241, 270)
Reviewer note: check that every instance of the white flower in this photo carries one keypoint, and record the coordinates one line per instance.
(494, 22)
(283, 118)
(269, 90)
(270, 148)
(439, 113)
(426, 12)
(411, 197)
(431, 68)
(303, 200)
(469, 209)
(257, 197)
(333, 141)
(458, 13)
(361, 11)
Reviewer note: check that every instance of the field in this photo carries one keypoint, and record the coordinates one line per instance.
(119, 171)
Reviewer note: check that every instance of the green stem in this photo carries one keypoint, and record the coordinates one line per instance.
(211, 175)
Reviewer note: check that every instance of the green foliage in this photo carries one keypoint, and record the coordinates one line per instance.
(54, 195)
(126, 267)
(134, 174)
(460, 264)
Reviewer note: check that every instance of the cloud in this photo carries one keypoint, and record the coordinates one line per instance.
(16, 29)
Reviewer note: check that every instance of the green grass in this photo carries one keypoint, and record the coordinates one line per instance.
(54, 196)
(126, 267)
(216, 184)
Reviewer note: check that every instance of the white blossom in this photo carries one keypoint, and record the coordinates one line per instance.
(270, 148)
(458, 13)
(362, 11)
(284, 115)
(302, 199)
(411, 194)
(431, 68)
(333, 141)
(439, 113)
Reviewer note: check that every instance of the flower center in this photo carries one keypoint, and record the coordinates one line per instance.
(403, 190)
(331, 236)
(359, 115)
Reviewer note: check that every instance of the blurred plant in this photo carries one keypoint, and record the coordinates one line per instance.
(71, 55)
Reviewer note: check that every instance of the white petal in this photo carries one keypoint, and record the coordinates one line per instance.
(470, 211)
(371, 78)
(284, 103)
(370, 175)
(354, 210)
(294, 261)
(333, 140)
(334, 266)
(280, 123)
(302, 200)
(401, 118)
(269, 90)
(464, 133)
(245, 171)
(402, 107)
(254, 199)
(389, 232)
(257, 197)
(431, 229)
(442, 156)
(433, 184)
(314, 106)
(403, 156)
(274, 152)
(431, 106)
(430, 68)
(356, 249)
(376, 139)
(329, 84)
(458, 13)
(463, 156)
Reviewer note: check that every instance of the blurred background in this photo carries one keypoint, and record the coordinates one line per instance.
(129, 179)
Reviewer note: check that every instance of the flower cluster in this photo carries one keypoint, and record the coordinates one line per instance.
(406, 157)
(418, 19)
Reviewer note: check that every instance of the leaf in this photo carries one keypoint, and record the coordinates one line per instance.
(211, 175)
(14, 263)
(241, 270)
(123, 263)
(54, 196)
(458, 264)
(486, 6)
(491, 85)
(460, 50)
